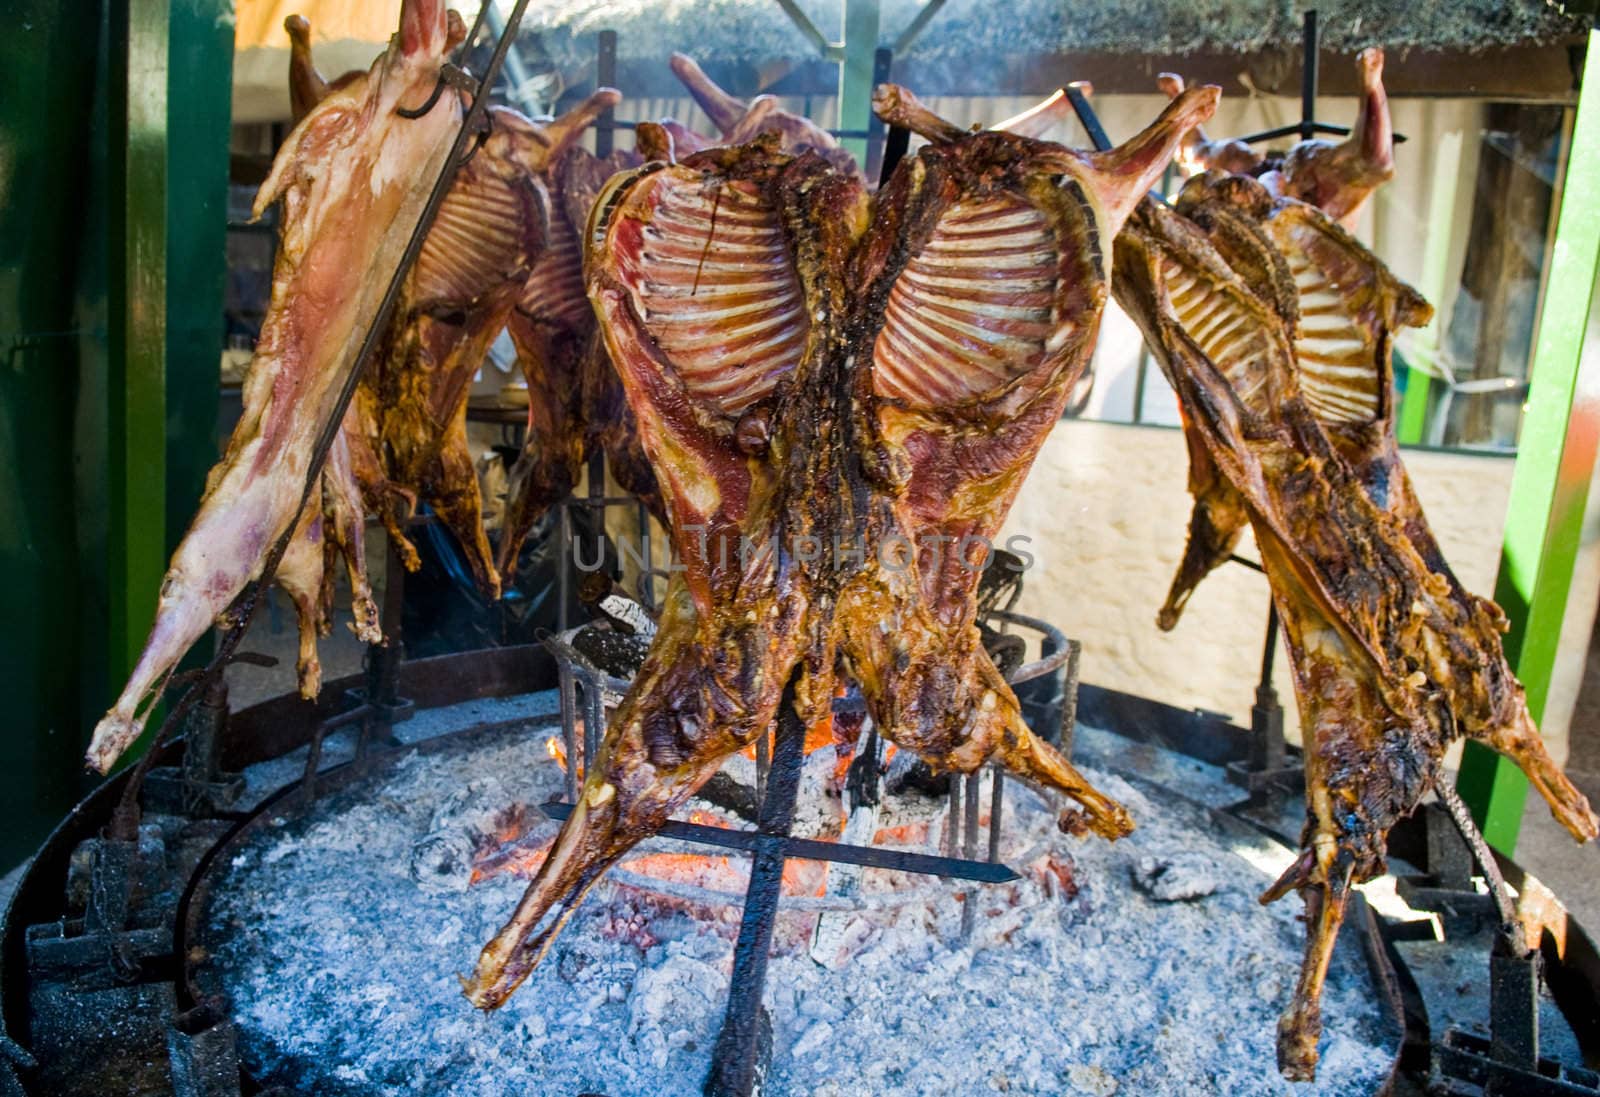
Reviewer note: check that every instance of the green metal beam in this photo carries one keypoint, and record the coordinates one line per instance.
(199, 129)
(48, 104)
(1555, 460)
(137, 325)
(861, 28)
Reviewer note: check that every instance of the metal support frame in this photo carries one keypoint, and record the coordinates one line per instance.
(738, 1064)
(862, 67)
(744, 1043)
(1310, 81)
(1508, 1062)
(1555, 460)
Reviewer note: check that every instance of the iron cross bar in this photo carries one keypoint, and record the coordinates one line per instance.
(808, 849)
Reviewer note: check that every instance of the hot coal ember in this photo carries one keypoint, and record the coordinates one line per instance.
(342, 971)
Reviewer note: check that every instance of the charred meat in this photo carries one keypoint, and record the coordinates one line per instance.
(1273, 326)
(759, 316)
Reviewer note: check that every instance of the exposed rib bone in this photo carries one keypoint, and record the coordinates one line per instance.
(791, 439)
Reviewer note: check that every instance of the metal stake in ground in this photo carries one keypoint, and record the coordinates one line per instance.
(737, 1065)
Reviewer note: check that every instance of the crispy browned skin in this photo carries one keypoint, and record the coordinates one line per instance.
(760, 325)
(1391, 659)
(1336, 179)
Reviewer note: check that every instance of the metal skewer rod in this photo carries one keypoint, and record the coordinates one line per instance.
(736, 1064)
(1492, 876)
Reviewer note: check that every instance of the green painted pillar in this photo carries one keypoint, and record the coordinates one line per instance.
(199, 129)
(1555, 459)
(861, 28)
(114, 121)
(167, 197)
(49, 53)
(136, 384)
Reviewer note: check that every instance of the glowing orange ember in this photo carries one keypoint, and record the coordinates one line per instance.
(553, 746)
(518, 860)
(914, 833)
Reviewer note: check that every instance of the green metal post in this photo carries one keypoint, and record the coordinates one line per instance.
(137, 324)
(1555, 459)
(199, 128)
(855, 72)
(51, 55)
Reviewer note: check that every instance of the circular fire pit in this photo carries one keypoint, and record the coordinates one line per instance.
(1146, 966)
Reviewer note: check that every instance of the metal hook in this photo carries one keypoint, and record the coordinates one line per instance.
(485, 127)
(450, 75)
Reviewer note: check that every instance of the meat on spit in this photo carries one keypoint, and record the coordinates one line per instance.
(809, 382)
(574, 400)
(353, 176)
(1273, 326)
(1334, 177)
(1219, 515)
(494, 230)
(741, 121)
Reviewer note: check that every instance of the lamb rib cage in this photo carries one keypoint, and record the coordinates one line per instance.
(746, 470)
(1367, 620)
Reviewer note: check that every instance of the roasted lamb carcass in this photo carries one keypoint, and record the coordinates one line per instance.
(560, 358)
(407, 436)
(1337, 178)
(1334, 177)
(576, 405)
(764, 333)
(1391, 660)
(740, 121)
(412, 407)
(568, 421)
(497, 228)
(354, 176)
